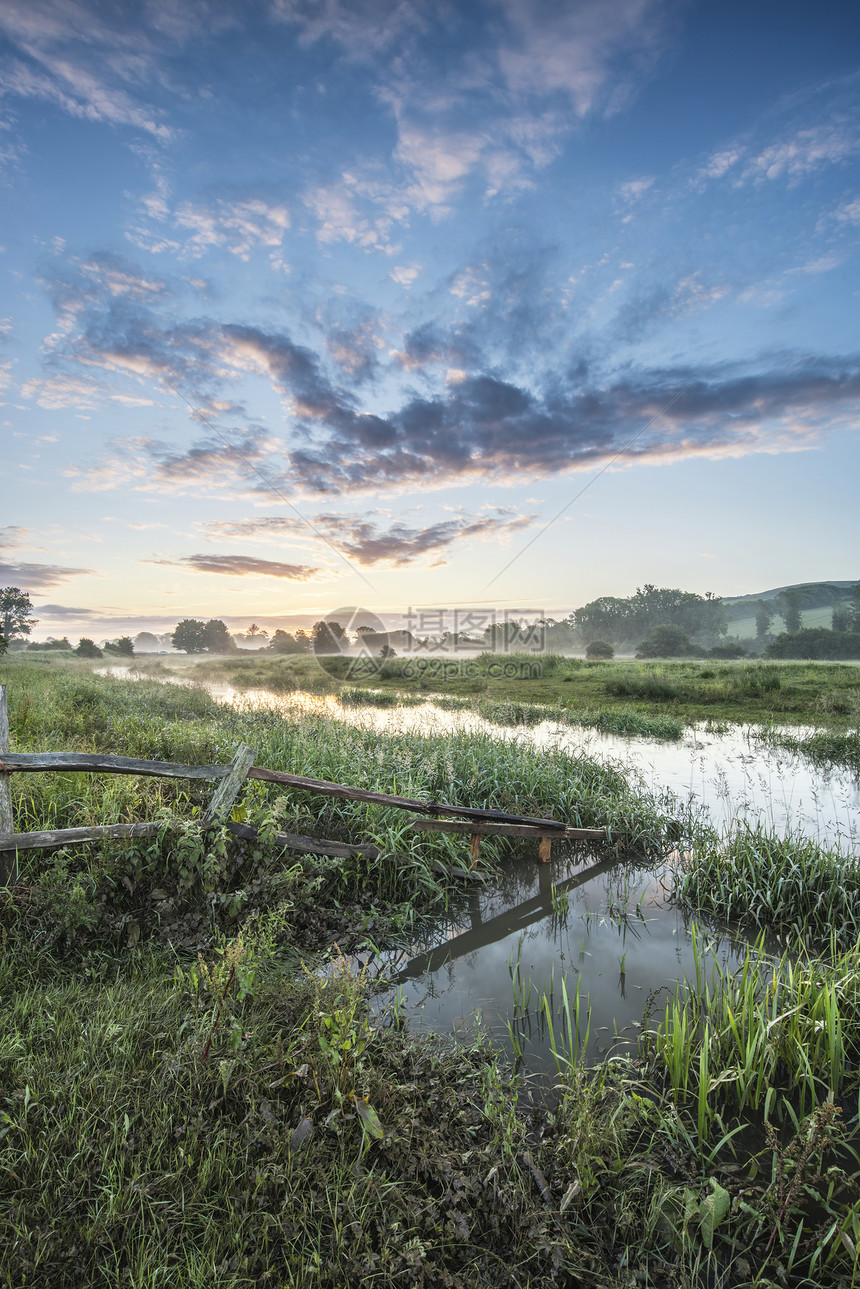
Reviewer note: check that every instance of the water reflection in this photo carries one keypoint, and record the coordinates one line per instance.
(604, 928)
(726, 775)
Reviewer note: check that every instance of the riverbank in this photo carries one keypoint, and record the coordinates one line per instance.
(618, 695)
(190, 1093)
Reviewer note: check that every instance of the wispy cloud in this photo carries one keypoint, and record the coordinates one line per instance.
(39, 577)
(240, 566)
(369, 541)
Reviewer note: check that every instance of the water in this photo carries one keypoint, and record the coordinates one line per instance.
(601, 927)
(608, 929)
(727, 776)
(604, 927)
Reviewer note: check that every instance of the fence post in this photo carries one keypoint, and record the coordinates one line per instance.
(229, 787)
(8, 858)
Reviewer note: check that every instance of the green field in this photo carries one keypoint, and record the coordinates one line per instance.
(609, 695)
(185, 1099)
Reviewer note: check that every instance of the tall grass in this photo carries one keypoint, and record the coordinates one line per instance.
(790, 887)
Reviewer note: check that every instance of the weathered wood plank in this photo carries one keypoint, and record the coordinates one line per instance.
(509, 830)
(27, 762)
(326, 789)
(304, 845)
(230, 786)
(8, 863)
(76, 836)
(95, 762)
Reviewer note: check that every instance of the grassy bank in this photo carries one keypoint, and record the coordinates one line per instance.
(609, 695)
(185, 1099)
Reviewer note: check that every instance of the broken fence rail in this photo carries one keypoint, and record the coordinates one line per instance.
(27, 762)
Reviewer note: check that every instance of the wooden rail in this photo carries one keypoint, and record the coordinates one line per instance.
(91, 762)
(474, 821)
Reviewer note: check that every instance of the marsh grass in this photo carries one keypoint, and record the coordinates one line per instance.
(825, 748)
(691, 690)
(790, 888)
(181, 1103)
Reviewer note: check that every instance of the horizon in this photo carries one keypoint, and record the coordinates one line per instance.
(507, 305)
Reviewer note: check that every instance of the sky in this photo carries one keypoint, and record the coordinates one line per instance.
(398, 303)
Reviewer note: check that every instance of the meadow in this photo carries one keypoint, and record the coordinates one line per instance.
(652, 699)
(193, 1088)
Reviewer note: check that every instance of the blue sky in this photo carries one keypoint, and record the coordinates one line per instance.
(313, 303)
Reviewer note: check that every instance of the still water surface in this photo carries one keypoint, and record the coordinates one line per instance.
(605, 929)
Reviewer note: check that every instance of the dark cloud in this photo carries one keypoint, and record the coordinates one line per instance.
(496, 421)
(494, 430)
(368, 541)
(240, 566)
(64, 611)
(39, 577)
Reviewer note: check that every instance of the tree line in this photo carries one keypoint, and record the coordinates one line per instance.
(655, 622)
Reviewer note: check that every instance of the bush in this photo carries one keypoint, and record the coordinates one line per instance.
(668, 641)
(815, 642)
(87, 649)
(731, 649)
(599, 649)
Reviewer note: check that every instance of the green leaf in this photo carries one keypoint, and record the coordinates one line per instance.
(713, 1209)
(369, 1118)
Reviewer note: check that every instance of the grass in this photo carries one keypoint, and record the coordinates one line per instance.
(186, 1098)
(826, 748)
(790, 888)
(588, 692)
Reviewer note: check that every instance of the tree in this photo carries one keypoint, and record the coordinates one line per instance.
(88, 648)
(599, 649)
(123, 647)
(146, 642)
(764, 615)
(855, 607)
(188, 636)
(15, 610)
(256, 636)
(216, 637)
(841, 618)
(666, 641)
(329, 637)
(284, 642)
(789, 607)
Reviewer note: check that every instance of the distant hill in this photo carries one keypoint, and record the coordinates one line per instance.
(813, 595)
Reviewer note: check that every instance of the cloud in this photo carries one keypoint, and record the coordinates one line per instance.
(848, 212)
(63, 611)
(808, 150)
(240, 566)
(12, 536)
(67, 53)
(512, 80)
(495, 431)
(238, 224)
(662, 303)
(636, 188)
(368, 541)
(336, 208)
(405, 274)
(39, 577)
(153, 466)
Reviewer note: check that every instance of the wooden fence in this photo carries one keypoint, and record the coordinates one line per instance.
(474, 822)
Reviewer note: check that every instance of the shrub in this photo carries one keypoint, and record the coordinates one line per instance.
(88, 649)
(599, 649)
(815, 642)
